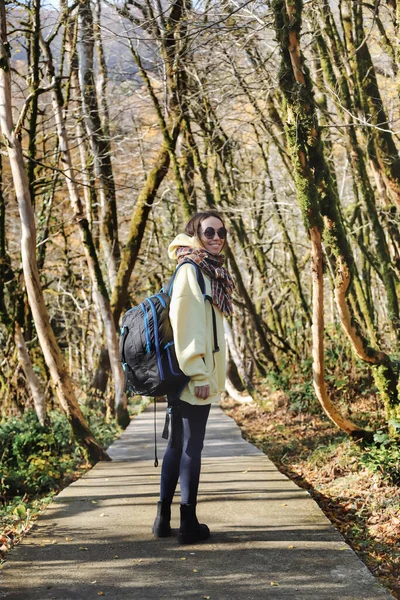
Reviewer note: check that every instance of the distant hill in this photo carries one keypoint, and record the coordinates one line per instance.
(120, 64)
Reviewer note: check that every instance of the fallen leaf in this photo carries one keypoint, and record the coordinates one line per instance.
(95, 581)
(94, 501)
(195, 571)
(274, 583)
(82, 548)
(290, 547)
(68, 539)
(100, 593)
(183, 558)
(116, 556)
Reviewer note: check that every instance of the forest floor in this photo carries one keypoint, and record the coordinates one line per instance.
(362, 505)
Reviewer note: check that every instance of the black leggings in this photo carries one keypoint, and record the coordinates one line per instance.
(182, 458)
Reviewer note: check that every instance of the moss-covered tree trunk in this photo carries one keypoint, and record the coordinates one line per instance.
(332, 55)
(304, 143)
(381, 146)
(382, 151)
(343, 261)
(138, 223)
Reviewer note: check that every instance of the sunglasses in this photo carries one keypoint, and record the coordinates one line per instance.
(210, 232)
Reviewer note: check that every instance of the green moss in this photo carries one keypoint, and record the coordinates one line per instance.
(386, 382)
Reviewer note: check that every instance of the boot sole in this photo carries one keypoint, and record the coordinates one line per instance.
(186, 538)
(162, 533)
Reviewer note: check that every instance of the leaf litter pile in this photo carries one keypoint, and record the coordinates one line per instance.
(362, 504)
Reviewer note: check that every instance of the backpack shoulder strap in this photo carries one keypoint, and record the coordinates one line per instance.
(202, 285)
(199, 276)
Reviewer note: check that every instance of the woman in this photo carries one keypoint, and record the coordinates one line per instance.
(192, 323)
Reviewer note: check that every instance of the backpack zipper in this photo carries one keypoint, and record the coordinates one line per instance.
(146, 327)
(156, 340)
(171, 366)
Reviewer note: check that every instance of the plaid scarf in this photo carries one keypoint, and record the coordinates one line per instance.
(221, 281)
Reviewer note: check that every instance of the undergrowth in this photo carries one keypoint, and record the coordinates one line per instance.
(34, 459)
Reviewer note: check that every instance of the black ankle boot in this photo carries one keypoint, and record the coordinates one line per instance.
(162, 527)
(191, 531)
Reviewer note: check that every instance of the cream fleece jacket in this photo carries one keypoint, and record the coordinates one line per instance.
(191, 320)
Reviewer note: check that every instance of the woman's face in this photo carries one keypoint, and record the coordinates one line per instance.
(212, 244)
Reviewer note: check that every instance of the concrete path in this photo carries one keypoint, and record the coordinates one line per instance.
(269, 541)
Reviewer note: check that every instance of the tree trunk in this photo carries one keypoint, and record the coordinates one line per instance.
(99, 289)
(45, 216)
(342, 257)
(34, 74)
(87, 171)
(318, 339)
(130, 253)
(288, 241)
(32, 379)
(99, 142)
(381, 147)
(254, 316)
(138, 223)
(237, 359)
(47, 339)
(6, 273)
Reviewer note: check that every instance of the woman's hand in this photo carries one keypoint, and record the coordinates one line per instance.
(202, 391)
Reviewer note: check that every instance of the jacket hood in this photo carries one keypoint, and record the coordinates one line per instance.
(182, 240)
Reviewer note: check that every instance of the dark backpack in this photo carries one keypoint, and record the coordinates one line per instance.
(146, 345)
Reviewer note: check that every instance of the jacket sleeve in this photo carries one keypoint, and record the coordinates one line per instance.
(188, 319)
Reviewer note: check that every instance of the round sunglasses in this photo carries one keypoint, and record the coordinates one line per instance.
(210, 232)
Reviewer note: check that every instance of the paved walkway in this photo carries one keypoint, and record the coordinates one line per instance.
(269, 541)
